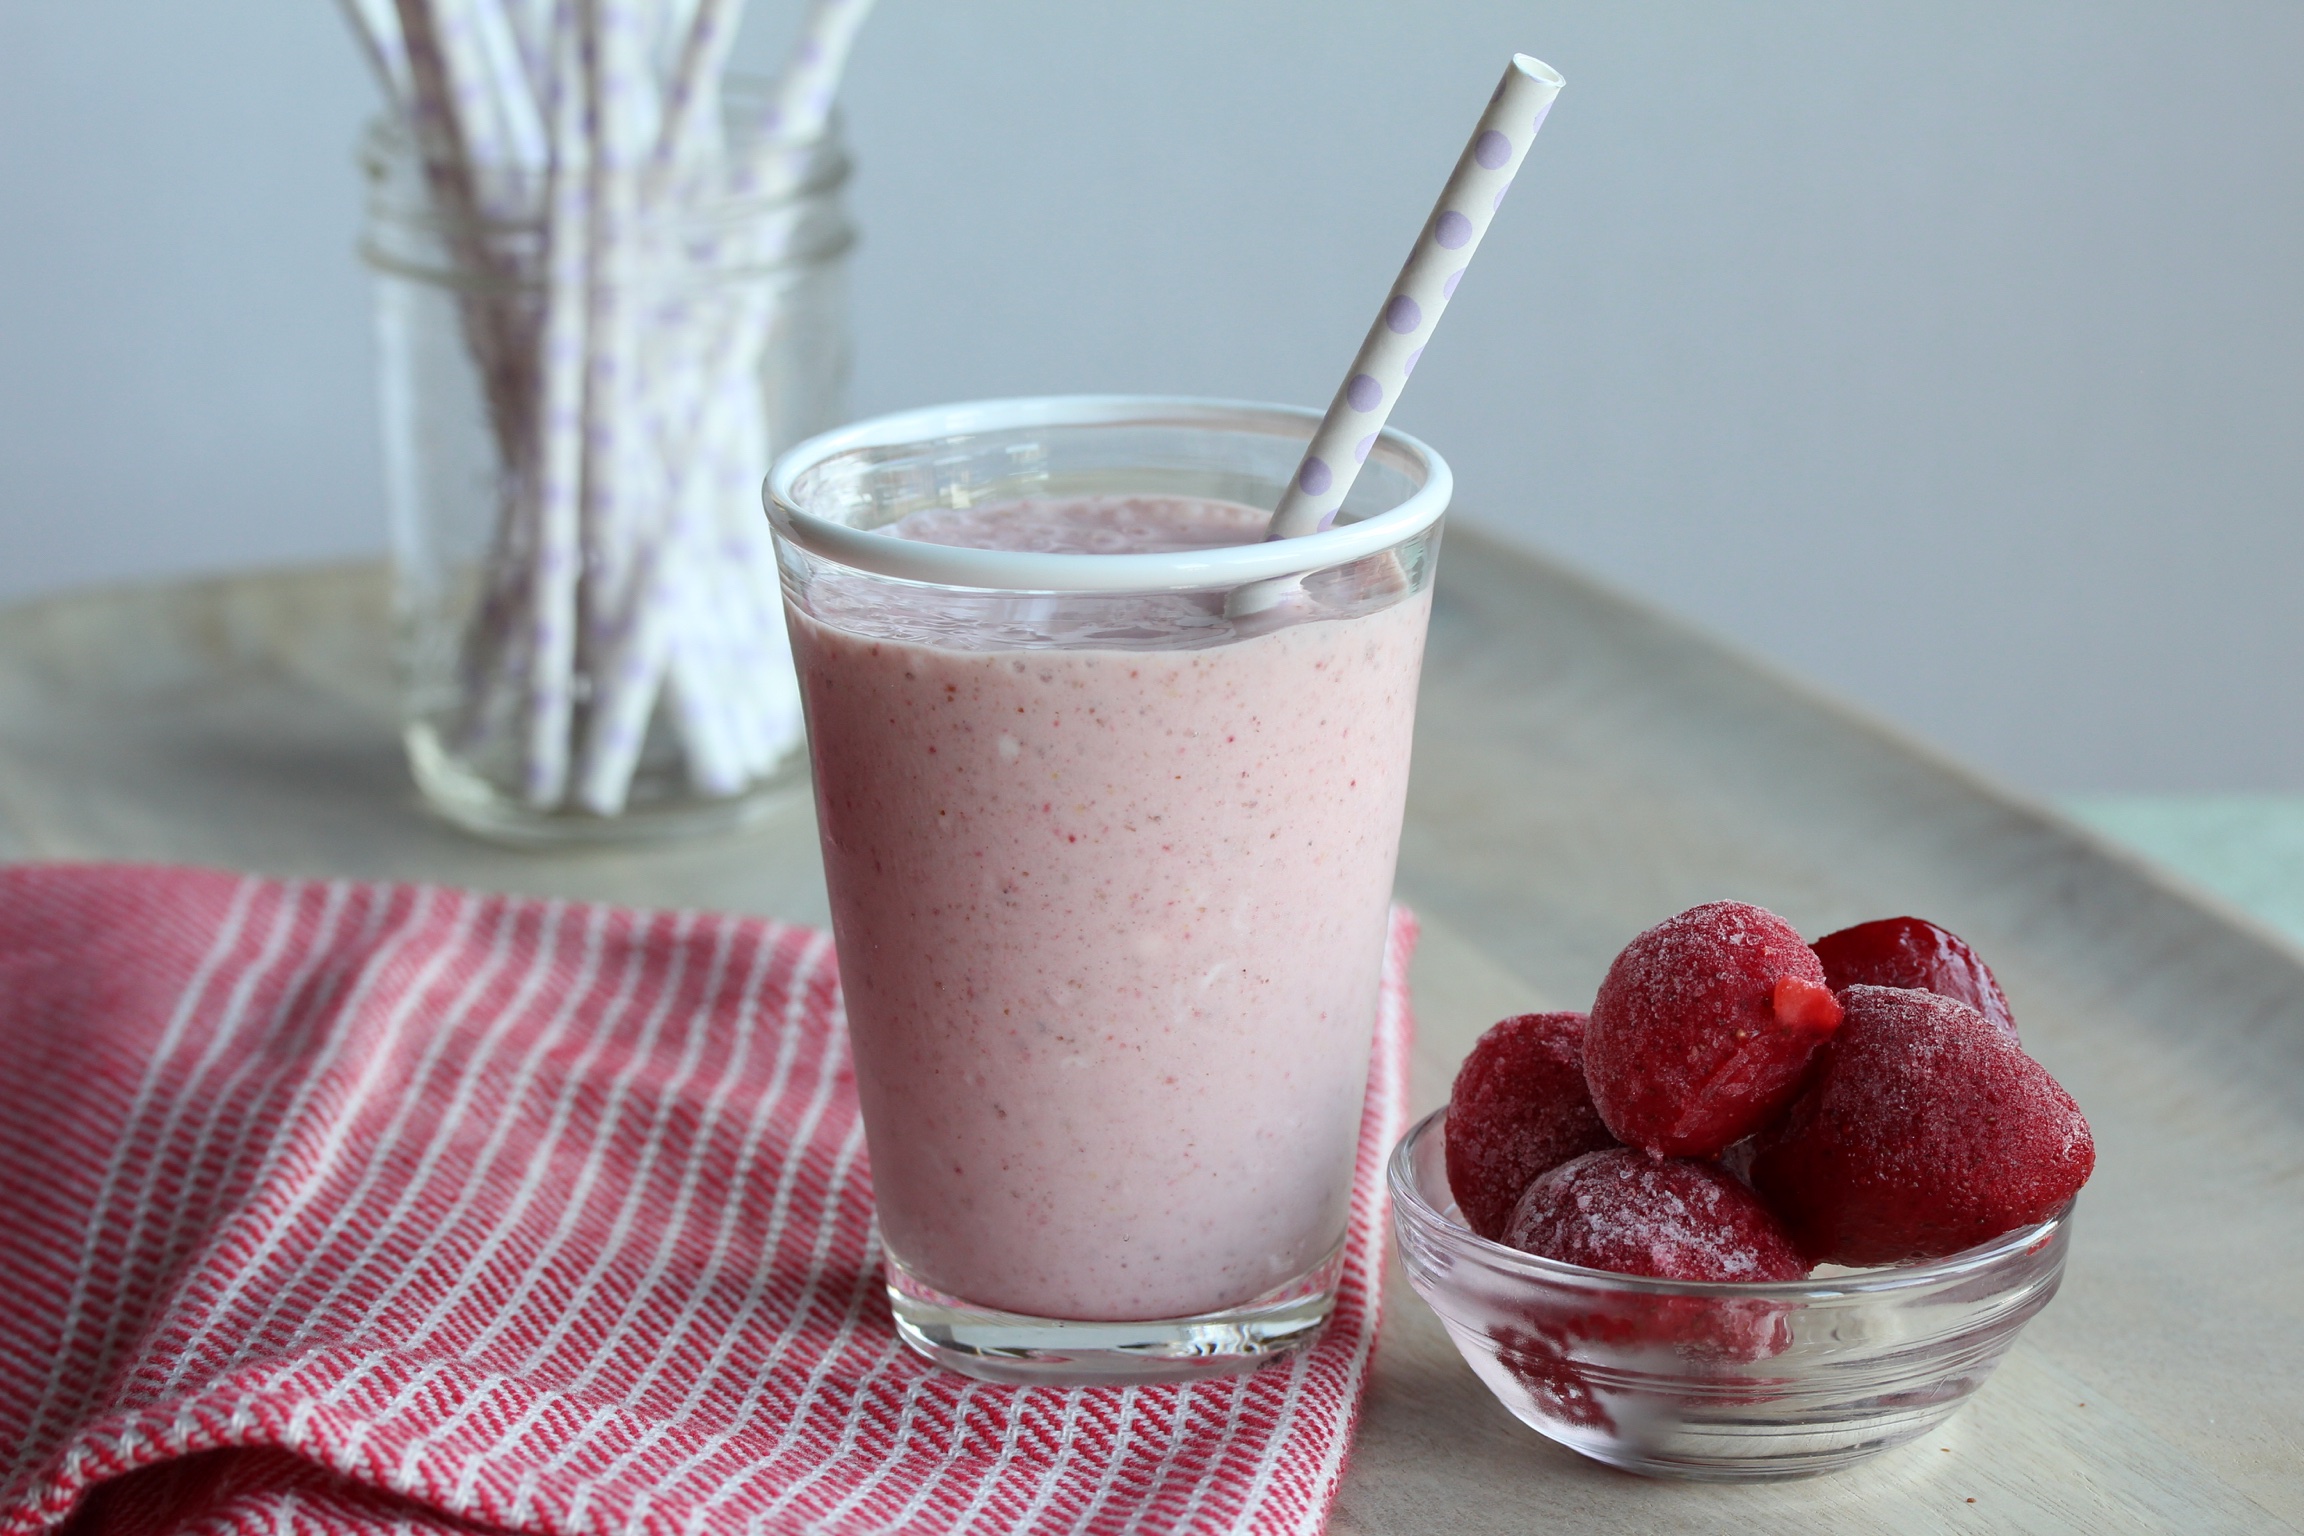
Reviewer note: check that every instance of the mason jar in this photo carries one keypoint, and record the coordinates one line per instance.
(589, 630)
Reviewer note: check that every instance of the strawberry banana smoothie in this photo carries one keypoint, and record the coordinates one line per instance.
(1108, 881)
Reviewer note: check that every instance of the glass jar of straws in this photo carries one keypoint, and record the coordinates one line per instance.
(591, 642)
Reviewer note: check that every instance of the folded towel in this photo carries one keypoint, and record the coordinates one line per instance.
(345, 1208)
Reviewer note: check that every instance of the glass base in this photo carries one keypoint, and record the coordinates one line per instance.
(1010, 1347)
(1666, 1426)
(478, 805)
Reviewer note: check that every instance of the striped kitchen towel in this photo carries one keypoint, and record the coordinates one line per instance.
(343, 1208)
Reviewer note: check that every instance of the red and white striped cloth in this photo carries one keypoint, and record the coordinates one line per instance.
(350, 1208)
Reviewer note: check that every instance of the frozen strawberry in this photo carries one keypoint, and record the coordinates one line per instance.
(1928, 1130)
(1703, 1029)
(1556, 1382)
(1913, 952)
(1736, 1158)
(1519, 1107)
(1624, 1211)
(1670, 1219)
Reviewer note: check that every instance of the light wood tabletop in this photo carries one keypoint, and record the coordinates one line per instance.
(1584, 768)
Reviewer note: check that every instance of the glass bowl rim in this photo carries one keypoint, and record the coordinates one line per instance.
(1409, 1204)
(1018, 571)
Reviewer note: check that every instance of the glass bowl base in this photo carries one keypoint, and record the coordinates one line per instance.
(1662, 1434)
(1719, 1381)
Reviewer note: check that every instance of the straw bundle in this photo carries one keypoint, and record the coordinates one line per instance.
(574, 150)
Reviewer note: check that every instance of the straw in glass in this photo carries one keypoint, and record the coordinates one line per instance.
(1411, 311)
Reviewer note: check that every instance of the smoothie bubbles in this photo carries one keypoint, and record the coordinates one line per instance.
(1109, 703)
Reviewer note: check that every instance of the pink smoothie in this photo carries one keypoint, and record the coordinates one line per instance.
(1109, 916)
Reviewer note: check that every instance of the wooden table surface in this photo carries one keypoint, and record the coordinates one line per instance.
(1584, 767)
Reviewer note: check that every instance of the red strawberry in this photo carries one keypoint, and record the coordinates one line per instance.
(1703, 1029)
(1519, 1107)
(1913, 952)
(1927, 1130)
(1556, 1382)
(1670, 1219)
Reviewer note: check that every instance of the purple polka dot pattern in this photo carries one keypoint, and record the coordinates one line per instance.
(1328, 518)
(1436, 265)
(1500, 191)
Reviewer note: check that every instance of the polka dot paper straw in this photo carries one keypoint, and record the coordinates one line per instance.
(1425, 285)
(692, 97)
(556, 566)
(801, 102)
(811, 77)
(576, 148)
(376, 27)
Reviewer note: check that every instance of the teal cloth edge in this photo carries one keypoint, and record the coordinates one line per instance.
(2248, 849)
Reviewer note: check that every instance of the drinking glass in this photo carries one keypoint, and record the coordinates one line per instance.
(1109, 868)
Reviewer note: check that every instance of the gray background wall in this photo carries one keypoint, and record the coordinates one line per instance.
(1950, 354)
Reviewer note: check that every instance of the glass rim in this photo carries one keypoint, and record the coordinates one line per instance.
(1408, 1195)
(387, 143)
(387, 135)
(944, 565)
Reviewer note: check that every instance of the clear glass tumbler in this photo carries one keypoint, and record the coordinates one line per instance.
(675, 711)
(1109, 869)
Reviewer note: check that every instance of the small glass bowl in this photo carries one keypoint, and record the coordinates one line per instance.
(1683, 1378)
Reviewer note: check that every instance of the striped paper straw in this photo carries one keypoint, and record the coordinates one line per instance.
(1421, 293)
